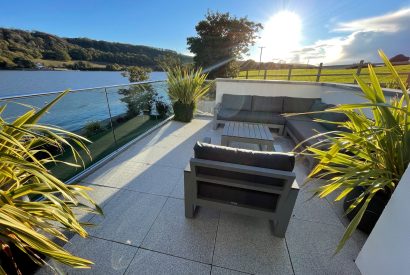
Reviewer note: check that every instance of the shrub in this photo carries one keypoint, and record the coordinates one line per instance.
(162, 108)
(371, 155)
(92, 128)
(27, 224)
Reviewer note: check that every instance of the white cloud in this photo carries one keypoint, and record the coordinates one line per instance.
(360, 40)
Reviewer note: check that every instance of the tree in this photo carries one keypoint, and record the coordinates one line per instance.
(57, 54)
(139, 97)
(168, 61)
(113, 67)
(222, 39)
(22, 62)
(136, 74)
(79, 54)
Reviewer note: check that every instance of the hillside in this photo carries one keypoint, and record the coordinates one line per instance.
(22, 49)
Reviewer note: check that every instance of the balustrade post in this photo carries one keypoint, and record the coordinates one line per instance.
(359, 69)
(290, 71)
(319, 71)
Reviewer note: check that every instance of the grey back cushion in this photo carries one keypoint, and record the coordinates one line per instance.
(270, 160)
(237, 102)
(335, 117)
(273, 104)
(318, 105)
(297, 104)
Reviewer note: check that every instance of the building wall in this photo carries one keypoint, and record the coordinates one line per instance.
(333, 93)
(387, 249)
(264, 88)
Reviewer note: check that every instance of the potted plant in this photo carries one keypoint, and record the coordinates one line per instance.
(185, 87)
(28, 224)
(365, 158)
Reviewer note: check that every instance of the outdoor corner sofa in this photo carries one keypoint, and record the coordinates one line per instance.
(242, 181)
(271, 110)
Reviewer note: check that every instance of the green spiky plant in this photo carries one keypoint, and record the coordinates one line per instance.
(26, 222)
(185, 87)
(372, 154)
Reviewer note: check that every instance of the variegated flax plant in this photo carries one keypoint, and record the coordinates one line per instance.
(27, 222)
(367, 151)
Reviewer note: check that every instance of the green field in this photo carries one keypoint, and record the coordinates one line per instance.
(347, 76)
(60, 64)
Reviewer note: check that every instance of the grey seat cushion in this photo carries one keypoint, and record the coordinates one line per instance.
(267, 104)
(237, 102)
(271, 160)
(318, 105)
(335, 117)
(303, 129)
(265, 117)
(299, 117)
(249, 116)
(297, 104)
(233, 115)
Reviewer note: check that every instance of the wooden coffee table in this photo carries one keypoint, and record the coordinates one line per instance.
(248, 133)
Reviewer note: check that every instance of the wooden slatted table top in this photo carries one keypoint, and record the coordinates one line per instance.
(247, 130)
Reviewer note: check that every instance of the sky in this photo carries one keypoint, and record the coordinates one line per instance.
(304, 31)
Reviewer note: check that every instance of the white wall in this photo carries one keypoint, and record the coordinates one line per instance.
(387, 249)
(264, 88)
(331, 93)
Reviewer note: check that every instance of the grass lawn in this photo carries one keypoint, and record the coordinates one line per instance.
(346, 78)
(103, 144)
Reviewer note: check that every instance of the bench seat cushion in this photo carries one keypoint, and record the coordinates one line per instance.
(233, 115)
(266, 117)
(249, 116)
(271, 160)
(303, 129)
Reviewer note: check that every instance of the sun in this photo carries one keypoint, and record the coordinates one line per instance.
(281, 35)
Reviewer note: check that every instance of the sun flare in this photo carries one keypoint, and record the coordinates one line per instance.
(281, 35)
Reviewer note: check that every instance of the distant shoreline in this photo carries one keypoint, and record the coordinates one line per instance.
(57, 69)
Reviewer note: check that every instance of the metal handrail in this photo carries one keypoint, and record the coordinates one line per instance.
(80, 90)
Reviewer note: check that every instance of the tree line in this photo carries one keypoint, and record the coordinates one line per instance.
(21, 49)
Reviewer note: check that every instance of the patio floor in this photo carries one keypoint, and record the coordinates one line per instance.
(144, 230)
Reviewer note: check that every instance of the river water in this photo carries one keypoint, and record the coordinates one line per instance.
(32, 82)
(76, 109)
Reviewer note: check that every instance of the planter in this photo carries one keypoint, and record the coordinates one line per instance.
(183, 112)
(24, 263)
(373, 211)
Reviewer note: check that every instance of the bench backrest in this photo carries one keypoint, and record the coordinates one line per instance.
(278, 104)
(259, 179)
